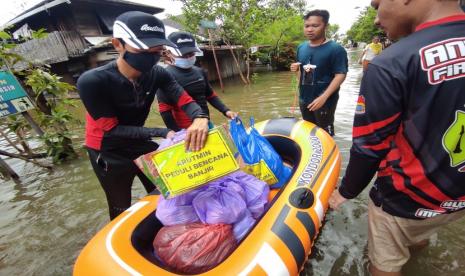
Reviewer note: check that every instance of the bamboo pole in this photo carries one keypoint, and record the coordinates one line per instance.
(216, 61)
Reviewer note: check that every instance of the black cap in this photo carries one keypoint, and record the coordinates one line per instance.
(140, 30)
(185, 42)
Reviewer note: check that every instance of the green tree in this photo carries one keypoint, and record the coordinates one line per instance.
(283, 35)
(364, 29)
(49, 95)
(332, 30)
(244, 21)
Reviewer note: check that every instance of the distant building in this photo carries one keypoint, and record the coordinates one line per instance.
(206, 60)
(79, 33)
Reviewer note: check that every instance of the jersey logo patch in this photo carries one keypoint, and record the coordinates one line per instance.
(427, 213)
(444, 60)
(360, 107)
(453, 205)
(453, 141)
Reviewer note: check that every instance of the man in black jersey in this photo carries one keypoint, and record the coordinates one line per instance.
(193, 79)
(408, 128)
(118, 97)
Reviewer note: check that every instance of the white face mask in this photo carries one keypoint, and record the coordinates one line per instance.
(184, 63)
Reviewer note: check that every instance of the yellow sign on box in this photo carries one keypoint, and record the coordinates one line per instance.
(182, 171)
(261, 171)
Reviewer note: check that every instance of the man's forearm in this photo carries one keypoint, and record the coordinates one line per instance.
(358, 175)
(136, 132)
(335, 84)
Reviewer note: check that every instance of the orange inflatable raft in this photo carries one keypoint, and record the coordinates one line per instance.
(279, 243)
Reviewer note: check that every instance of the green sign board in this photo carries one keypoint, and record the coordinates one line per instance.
(208, 24)
(13, 98)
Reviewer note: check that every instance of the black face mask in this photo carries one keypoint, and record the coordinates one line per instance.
(142, 62)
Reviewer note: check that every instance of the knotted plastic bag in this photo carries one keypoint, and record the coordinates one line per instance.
(194, 248)
(220, 202)
(178, 210)
(256, 192)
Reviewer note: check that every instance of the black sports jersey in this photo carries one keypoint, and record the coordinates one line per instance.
(117, 108)
(410, 124)
(195, 82)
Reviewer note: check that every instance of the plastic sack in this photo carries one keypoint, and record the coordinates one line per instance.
(178, 210)
(221, 202)
(194, 248)
(242, 227)
(256, 192)
(178, 137)
(255, 149)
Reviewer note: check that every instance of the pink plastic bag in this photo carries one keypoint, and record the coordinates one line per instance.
(194, 248)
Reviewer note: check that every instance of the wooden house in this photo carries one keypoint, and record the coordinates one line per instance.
(226, 63)
(79, 33)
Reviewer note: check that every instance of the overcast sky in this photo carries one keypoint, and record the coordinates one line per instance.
(343, 12)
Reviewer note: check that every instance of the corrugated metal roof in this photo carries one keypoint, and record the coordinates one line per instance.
(48, 4)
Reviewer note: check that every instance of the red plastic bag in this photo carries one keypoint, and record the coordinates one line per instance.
(194, 248)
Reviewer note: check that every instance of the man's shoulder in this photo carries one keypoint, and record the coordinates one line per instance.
(96, 74)
(302, 45)
(337, 47)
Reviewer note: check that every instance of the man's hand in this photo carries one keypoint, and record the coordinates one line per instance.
(231, 114)
(336, 199)
(197, 134)
(317, 103)
(295, 66)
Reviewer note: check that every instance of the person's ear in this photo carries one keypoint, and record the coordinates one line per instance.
(119, 47)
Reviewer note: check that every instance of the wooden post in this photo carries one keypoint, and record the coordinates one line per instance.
(7, 170)
(216, 61)
(33, 124)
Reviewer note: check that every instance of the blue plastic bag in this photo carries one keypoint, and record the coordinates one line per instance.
(254, 149)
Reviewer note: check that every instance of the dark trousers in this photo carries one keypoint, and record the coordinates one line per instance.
(323, 117)
(115, 172)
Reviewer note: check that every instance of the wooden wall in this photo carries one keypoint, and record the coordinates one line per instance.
(226, 63)
(56, 47)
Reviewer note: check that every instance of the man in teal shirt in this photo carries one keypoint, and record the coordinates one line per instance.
(322, 67)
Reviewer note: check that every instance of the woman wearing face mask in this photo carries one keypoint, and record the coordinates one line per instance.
(193, 79)
(118, 97)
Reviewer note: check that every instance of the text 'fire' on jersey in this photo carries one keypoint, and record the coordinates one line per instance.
(410, 124)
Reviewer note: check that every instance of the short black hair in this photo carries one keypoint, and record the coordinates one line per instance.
(324, 14)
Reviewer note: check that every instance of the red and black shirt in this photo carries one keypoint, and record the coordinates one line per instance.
(117, 108)
(410, 124)
(194, 80)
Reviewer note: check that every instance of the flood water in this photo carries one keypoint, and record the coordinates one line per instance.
(48, 218)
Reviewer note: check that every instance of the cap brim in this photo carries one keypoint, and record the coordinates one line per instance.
(185, 50)
(152, 42)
